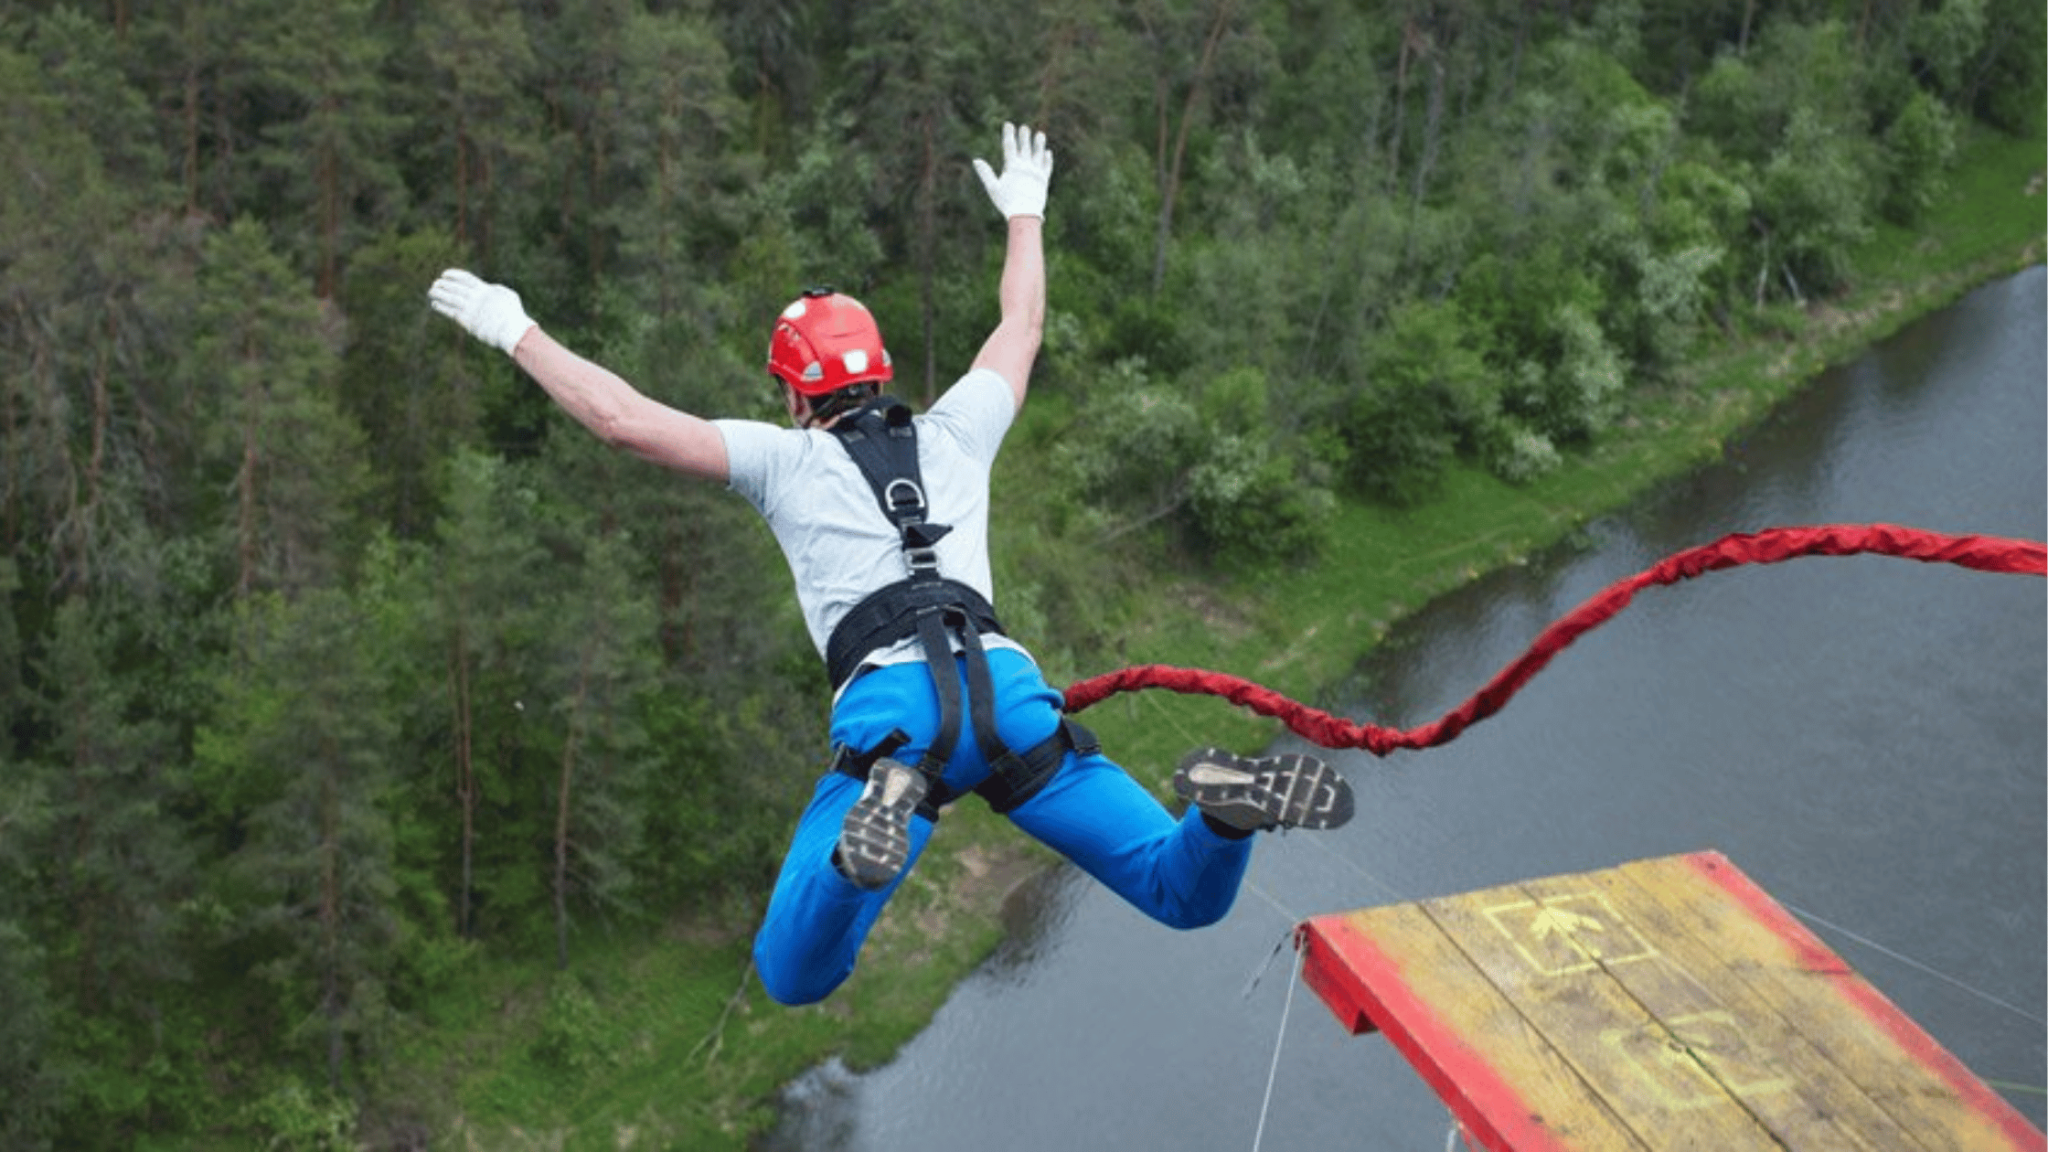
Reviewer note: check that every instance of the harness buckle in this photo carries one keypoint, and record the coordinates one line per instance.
(921, 547)
(904, 500)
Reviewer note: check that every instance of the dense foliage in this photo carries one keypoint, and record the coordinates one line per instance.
(331, 658)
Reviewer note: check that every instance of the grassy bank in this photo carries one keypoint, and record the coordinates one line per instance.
(671, 1045)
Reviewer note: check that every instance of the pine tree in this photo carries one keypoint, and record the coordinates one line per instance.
(490, 576)
(30, 1078)
(304, 745)
(295, 462)
(602, 672)
(331, 156)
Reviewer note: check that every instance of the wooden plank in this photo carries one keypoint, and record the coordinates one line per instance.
(1902, 1069)
(1667, 1003)
(1509, 1087)
(1741, 1039)
(1551, 960)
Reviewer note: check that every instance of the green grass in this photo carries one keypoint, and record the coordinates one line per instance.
(667, 1044)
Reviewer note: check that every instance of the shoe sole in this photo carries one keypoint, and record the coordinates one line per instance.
(874, 841)
(1285, 791)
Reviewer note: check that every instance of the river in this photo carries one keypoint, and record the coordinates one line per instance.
(1864, 737)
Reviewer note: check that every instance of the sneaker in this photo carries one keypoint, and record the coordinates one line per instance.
(1286, 791)
(874, 842)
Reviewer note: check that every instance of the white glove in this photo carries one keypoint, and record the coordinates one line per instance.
(491, 312)
(1027, 169)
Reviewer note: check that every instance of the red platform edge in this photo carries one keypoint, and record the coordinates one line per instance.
(1361, 984)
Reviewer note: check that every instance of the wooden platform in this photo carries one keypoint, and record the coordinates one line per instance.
(1664, 1004)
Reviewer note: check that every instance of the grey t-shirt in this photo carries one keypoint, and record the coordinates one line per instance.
(839, 546)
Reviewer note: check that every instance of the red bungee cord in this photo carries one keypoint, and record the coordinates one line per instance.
(1771, 546)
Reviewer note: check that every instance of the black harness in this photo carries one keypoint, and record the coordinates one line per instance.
(883, 441)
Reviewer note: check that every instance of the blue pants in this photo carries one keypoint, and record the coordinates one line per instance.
(1179, 872)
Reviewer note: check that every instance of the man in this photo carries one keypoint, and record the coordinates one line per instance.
(884, 521)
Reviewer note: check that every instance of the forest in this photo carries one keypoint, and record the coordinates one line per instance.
(336, 664)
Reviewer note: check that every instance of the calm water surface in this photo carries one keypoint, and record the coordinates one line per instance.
(1864, 737)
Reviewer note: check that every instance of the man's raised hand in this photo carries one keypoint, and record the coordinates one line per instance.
(1027, 170)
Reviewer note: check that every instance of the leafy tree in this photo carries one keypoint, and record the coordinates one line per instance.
(2004, 81)
(1153, 456)
(1948, 39)
(1263, 269)
(1130, 456)
(1518, 307)
(1255, 495)
(1106, 299)
(1583, 391)
(1811, 209)
(1428, 394)
(1199, 52)
(1731, 107)
(1814, 67)
(1702, 216)
(1919, 147)
(1746, 104)
(1671, 292)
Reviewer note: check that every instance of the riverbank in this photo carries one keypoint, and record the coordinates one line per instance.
(673, 1047)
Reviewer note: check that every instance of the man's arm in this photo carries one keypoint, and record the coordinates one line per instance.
(1019, 194)
(619, 414)
(613, 410)
(1013, 347)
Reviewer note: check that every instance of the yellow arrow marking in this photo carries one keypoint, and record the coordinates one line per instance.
(1566, 926)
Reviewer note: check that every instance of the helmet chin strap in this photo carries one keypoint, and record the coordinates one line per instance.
(805, 411)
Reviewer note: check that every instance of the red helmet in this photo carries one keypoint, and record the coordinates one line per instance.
(826, 341)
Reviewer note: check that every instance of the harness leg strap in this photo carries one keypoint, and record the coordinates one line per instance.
(1020, 777)
(859, 765)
